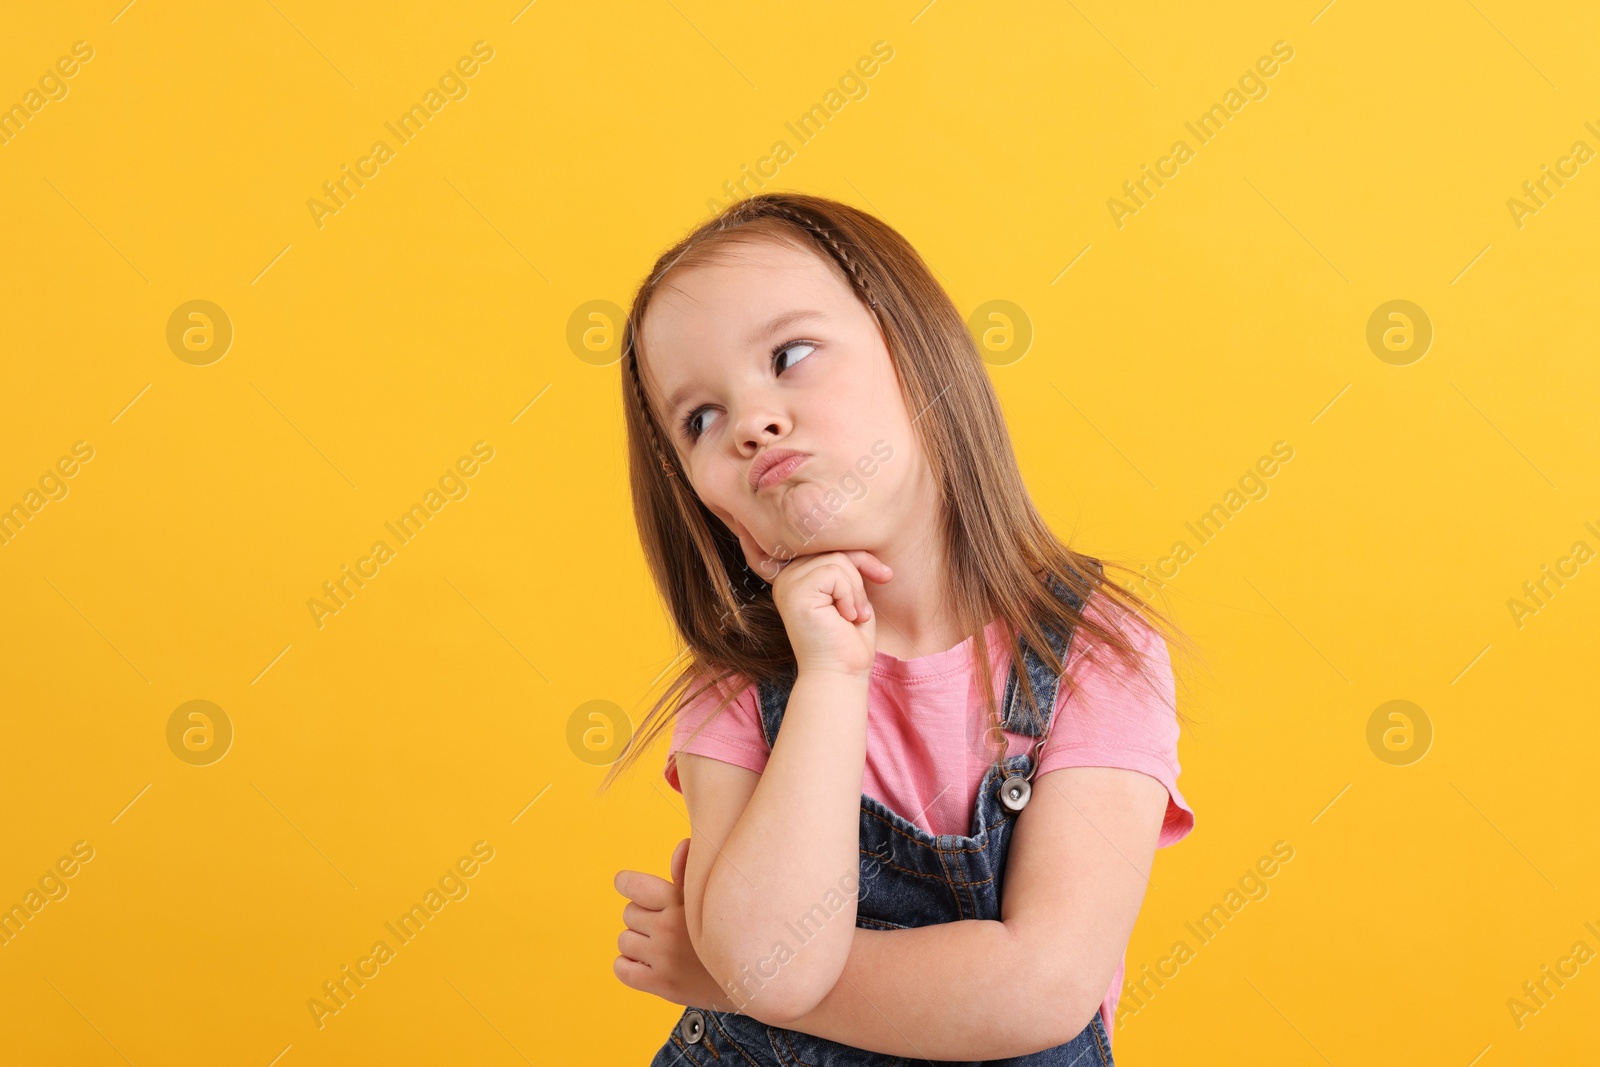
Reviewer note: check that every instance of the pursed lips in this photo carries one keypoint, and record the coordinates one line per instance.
(774, 467)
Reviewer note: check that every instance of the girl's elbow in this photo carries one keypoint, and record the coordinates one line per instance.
(1062, 1005)
(776, 987)
(786, 1004)
(1062, 1018)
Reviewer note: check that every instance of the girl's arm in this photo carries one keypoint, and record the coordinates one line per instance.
(783, 854)
(978, 989)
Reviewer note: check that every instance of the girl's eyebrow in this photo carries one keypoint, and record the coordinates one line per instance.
(679, 395)
(788, 318)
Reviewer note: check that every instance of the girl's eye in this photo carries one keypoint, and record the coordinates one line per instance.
(781, 349)
(691, 428)
(691, 425)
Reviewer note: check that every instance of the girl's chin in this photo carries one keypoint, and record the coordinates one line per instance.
(812, 511)
(806, 523)
(803, 544)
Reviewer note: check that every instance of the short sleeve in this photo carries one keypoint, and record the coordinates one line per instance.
(1114, 716)
(734, 736)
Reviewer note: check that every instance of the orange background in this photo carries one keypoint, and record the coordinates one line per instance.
(444, 304)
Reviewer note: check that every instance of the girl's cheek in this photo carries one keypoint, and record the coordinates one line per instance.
(734, 526)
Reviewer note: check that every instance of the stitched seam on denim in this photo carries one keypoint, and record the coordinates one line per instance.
(961, 912)
(972, 897)
(761, 721)
(920, 874)
(1048, 708)
(734, 1045)
(707, 1022)
(788, 1040)
(940, 879)
(683, 1048)
(1098, 1047)
(911, 837)
(981, 881)
(964, 882)
(1048, 705)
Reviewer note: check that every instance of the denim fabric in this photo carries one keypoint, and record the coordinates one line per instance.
(908, 877)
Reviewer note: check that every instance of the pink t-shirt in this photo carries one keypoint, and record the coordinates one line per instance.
(925, 726)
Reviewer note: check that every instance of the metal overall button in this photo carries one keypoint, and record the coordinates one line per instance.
(1016, 789)
(693, 1027)
(1014, 792)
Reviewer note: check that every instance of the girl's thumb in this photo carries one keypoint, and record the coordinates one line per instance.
(680, 861)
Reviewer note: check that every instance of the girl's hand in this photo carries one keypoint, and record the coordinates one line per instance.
(823, 602)
(824, 605)
(657, 955)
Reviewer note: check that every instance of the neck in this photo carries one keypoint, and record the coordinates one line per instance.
(914, 611)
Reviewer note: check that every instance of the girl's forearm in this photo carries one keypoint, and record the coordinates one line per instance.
(779, 907)
(963, 990)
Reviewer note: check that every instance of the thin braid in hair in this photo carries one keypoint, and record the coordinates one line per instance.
(826, 235)
(632, 359)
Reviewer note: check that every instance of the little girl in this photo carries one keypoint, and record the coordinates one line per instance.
(896, 854)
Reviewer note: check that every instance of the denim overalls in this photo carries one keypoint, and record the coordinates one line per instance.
(908, 878)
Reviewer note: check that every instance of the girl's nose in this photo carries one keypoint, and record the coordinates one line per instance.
(758, 426)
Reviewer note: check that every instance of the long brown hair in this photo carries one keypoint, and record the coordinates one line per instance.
(1000, 551)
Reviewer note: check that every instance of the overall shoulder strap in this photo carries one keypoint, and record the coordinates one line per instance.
(774, 700)
(1044, 682)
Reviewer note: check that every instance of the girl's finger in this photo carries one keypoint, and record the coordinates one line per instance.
(858, 592)
(843, 593)
(645, 920)
(859, 602)
(633, 945)
(646, 889)
(679, 864)
(869, 565)
(632, 973)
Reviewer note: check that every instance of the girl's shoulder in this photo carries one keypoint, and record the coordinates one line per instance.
(1091, 651)
(1096, 672)
(704, 698)
(732, 734)
(1112, 714)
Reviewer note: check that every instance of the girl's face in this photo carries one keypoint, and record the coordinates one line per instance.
(767, 351)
